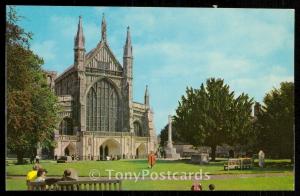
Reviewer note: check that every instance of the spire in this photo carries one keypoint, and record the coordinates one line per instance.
(146, 101)
(103, 29)
(128, 47)
(127, 57)
(79, 39)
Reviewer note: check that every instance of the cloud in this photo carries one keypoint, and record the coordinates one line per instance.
(65, 25)
(258, 87)
(45, 49)
(252, 49)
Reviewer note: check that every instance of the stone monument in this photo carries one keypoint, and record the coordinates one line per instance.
(202, 158)
(170, 150)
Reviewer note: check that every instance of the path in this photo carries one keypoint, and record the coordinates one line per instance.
(212, 177)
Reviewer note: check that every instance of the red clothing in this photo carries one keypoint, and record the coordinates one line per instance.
(196, 187)
(151, 159)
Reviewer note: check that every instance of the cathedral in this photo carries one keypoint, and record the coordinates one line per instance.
(98, 115)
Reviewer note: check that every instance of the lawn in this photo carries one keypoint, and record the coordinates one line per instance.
(84, 167)
(255, 183)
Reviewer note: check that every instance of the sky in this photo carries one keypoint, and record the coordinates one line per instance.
(251, 49)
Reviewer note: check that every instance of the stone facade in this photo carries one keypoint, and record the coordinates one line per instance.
(99, 117)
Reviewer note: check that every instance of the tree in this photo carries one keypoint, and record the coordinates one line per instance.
(31, 106)
(164, 135)
(275, 123)
(212, 116)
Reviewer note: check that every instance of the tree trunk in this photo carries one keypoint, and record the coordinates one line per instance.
(213, 153)
(20, 157)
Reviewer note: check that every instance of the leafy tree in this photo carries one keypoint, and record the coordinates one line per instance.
(212, 116)
(275, 122)
(164, 135)
(31, 106)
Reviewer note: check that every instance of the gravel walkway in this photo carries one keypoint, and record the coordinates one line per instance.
(217, 176)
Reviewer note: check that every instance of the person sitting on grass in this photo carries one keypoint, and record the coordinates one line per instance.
(211, 187)
(32, 175)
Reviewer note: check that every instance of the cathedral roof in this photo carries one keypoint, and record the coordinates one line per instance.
(69, 69)
(94, 52)
(79, 43)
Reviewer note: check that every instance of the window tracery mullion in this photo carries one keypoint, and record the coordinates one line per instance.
(102, 108)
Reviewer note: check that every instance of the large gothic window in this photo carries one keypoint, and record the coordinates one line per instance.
(138, 129)
(102, 108)
(65, 127)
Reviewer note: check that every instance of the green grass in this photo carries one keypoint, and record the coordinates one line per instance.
(15, 184)
(84, 167)
(255, 183)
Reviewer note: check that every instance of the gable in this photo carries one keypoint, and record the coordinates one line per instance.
(102, 58)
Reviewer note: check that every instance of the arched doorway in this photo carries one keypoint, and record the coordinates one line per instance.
(101, 155)
(67, 152)
(141, 151)
(70, 150)
(111, 148)
(103, 152)
(106, 151)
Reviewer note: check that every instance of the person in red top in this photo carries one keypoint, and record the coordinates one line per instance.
(151, 159)
(196, 187)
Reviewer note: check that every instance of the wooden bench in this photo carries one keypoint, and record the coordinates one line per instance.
(80, 185)
(241, 163)
(246, 163)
